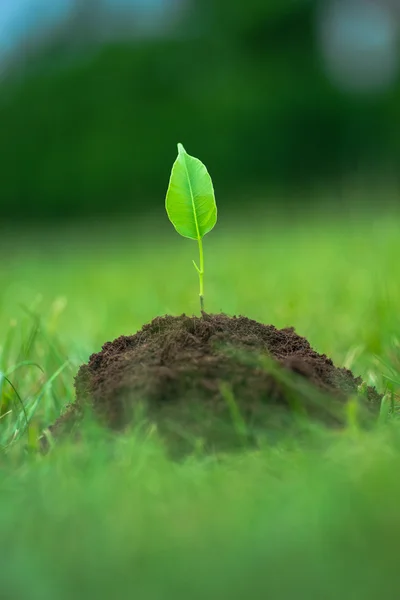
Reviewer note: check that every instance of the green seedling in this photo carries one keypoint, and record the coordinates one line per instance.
(190, 204)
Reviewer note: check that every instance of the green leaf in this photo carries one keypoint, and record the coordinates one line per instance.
(190, 200)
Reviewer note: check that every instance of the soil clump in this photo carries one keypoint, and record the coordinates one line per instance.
(218, 379)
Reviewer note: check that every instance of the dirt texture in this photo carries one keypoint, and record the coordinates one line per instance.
(216, 379)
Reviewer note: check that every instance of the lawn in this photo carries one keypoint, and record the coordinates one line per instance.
(115, 517)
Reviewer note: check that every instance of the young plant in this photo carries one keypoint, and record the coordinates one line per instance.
(190, 204)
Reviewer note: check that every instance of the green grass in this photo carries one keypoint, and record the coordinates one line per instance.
(116, 518)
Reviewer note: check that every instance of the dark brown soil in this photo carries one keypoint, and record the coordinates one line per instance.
(215, 378)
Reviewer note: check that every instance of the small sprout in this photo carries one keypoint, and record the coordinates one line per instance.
(190, 204)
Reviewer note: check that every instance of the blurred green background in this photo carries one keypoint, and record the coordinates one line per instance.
(273, 95)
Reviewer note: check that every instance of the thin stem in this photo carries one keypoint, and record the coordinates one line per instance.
(200, 271)
(201, 274)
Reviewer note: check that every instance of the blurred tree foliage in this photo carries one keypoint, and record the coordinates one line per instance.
(240, 85)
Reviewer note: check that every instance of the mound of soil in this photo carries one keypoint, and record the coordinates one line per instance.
(214, 378)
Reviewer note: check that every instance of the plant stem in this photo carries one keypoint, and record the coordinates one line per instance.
(201, 274)
(200, 271)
